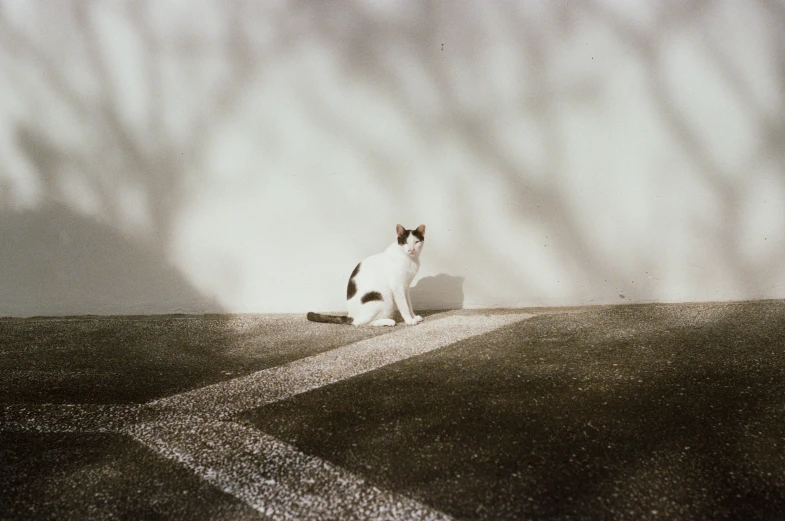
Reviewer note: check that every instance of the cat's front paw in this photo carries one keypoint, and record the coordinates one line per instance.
(418, 319)
(413, 321)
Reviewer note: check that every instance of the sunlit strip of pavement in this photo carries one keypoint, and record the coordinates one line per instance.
(282, 382)
(69, 417)
(271, 476)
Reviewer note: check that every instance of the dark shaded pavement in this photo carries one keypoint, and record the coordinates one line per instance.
(135, 359)
(625, 412)
(622, 412)
(102, 476)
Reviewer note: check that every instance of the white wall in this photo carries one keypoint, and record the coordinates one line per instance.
(192, 156)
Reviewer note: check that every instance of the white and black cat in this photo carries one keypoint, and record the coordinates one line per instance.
(381, 283)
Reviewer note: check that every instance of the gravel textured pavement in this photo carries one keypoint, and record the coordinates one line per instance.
(658, 411)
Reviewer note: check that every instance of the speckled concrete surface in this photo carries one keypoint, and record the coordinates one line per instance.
(137, 359)
(629, 412)
(68, 476)
(273, 477)
(316, 371)
(195, 430)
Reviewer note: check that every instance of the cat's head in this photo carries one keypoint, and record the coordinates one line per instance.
(411, 241)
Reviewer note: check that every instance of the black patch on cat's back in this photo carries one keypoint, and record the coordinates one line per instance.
(402, 237)
(351, 288)
(371, 296)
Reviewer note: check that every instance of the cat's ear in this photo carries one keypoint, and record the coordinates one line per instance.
(400, 230)
(421, 230)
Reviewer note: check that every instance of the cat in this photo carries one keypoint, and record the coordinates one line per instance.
(381, 283)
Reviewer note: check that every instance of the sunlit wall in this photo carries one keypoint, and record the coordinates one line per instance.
(217, 156)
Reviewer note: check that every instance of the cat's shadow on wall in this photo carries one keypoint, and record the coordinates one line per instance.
(440, 292)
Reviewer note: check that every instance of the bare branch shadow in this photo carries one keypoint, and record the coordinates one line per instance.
(437, 49)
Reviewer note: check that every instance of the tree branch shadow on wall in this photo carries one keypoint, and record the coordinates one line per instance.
(370, 51)
(70, 251)
(540, 194)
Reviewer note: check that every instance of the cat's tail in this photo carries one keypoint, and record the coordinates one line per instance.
(330, 319)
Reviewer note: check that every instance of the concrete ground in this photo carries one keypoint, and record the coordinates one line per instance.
(623, 412)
